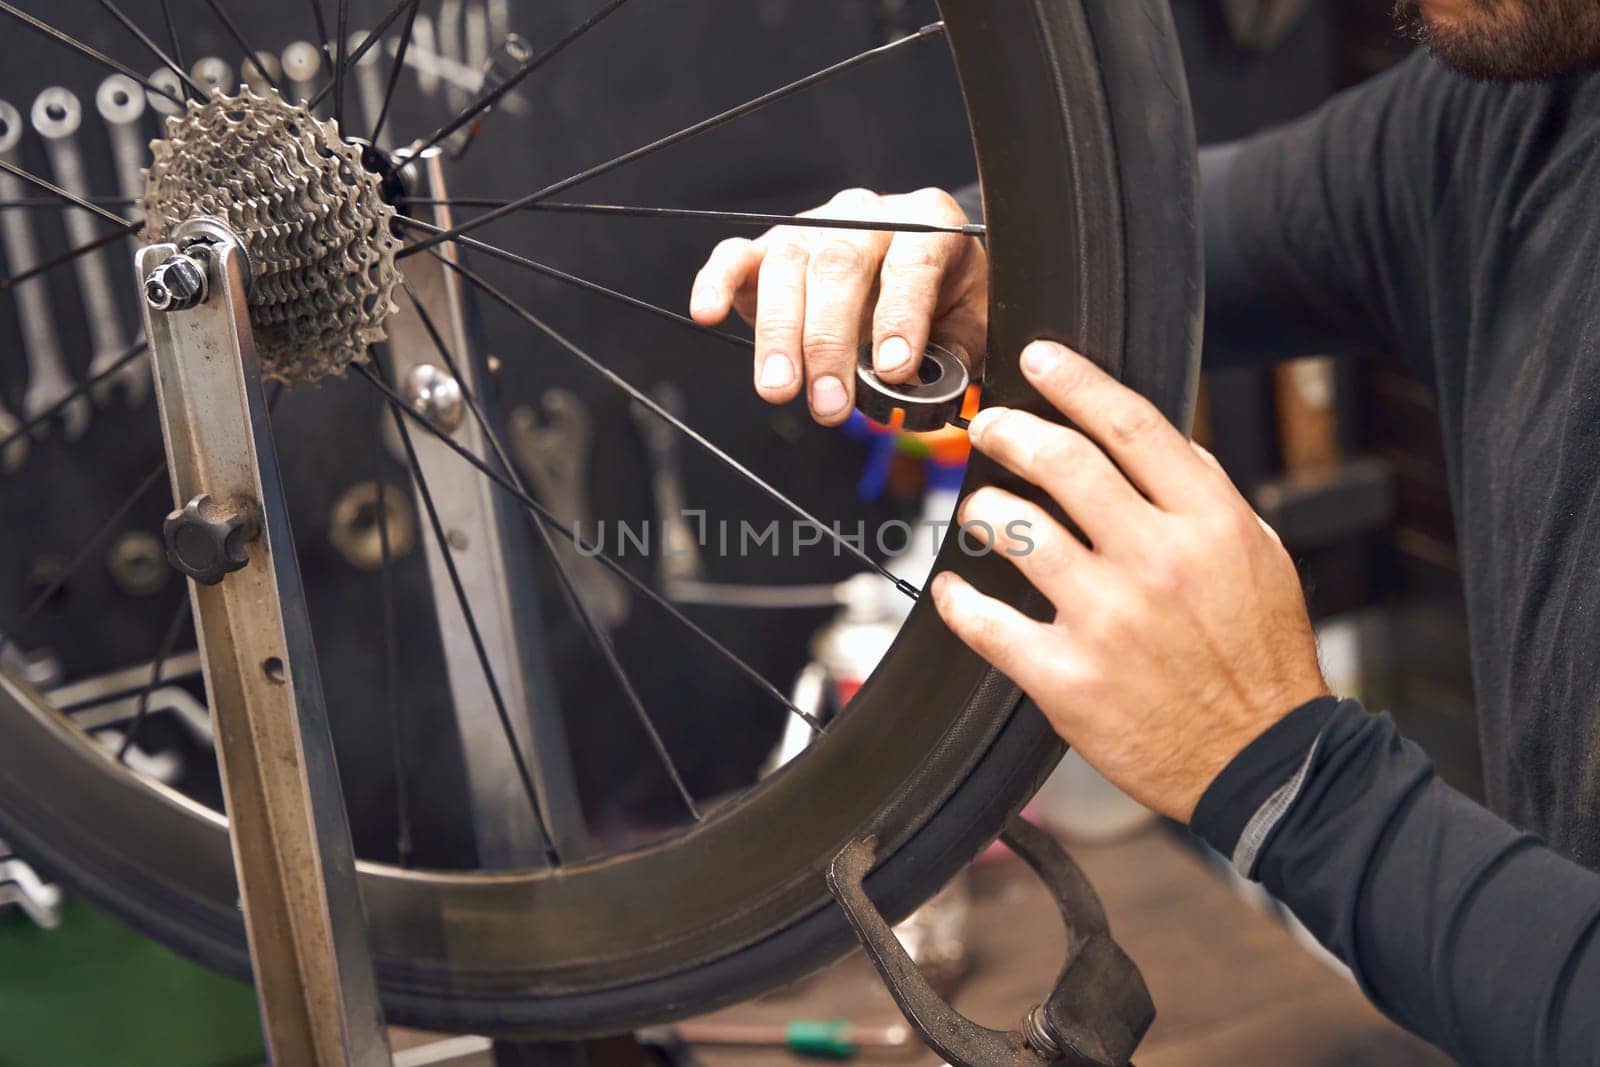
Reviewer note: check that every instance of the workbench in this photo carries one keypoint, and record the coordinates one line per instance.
(1232, 986)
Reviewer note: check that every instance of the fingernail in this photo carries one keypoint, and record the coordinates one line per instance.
(941, 585)
(1040, 357)
(828, 396)
(776, 372)
(894, 353)
(705, 298)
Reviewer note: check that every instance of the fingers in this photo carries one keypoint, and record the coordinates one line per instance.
(1000, 634)
(840, 279)
(839, 283)
(1068, 466)
(913, 281)
(1049, 556)
(1148, 448)
(781, 319)
(965, 332)
(727, 280)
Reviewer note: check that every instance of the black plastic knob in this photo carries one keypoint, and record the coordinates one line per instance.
(206, 540)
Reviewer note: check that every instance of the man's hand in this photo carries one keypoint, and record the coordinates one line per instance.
(810, 294)
(1180, 632)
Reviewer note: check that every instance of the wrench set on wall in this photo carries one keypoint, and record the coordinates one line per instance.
(451, 57)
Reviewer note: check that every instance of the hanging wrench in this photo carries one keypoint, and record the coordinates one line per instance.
(302, 64)
(215, 74)
(120, 102)
(48, 380)
(680, 559)
(14, 454)
(476, 30)
(263, 73)
(422, 36)
(369, 84)
(450, 47)
(58, 116)
(165, 80)
(554, 453)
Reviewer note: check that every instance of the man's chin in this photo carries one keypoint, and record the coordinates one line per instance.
(1535, 40)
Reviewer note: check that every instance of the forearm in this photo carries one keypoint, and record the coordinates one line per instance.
(1463, 929)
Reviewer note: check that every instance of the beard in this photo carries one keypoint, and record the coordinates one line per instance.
(1507, 40)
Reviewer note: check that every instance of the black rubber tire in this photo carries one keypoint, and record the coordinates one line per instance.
(1086, 148)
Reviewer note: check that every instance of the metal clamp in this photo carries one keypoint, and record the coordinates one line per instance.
(1096, 1015)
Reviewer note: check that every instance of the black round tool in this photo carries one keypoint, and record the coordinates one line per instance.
(929, 401)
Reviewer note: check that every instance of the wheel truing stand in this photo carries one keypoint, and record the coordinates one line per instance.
(230, 534)
(1097, 1013)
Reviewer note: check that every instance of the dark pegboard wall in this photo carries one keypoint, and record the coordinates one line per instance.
(653, 68)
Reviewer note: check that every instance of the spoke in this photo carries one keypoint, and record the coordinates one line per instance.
(494, 96)
(154, 49)
(172, 34)
(36, 202)
(363, 48)
(83, 555)
(71, 198)
(593, 287)
(391, 661)
(322, 31)
(583, 283)
(341, 44)
(731, 218)
(244, 45)
(70, 255)
(924, 34)
(83, 49)
(569, 585)
(168, 644)
(682, 427)
(472, 629)
(397, 70)
(549, 518)
(54, 409)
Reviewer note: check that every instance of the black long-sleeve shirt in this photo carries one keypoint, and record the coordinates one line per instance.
(1462, 928)
(1457, 225)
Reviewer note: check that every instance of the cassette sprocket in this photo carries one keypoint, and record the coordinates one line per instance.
(312, 218)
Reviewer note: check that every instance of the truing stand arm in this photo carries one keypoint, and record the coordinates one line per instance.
(230, 534)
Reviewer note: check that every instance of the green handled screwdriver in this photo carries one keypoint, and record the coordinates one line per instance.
(823, 1039)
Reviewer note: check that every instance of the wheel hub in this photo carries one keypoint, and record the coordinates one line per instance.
(311, 216)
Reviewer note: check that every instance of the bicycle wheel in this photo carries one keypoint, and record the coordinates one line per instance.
(1081, 129)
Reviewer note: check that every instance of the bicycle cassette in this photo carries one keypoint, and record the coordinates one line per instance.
(310, 216)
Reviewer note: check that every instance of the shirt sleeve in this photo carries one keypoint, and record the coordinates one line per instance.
(1463, 929)
(1316, 232)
